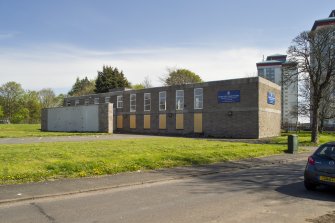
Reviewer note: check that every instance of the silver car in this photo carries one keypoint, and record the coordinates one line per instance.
(320, 168)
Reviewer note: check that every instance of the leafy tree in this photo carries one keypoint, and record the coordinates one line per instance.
(11, 94)
(314, 53)
(31, 101)
(82, 87)
(145, 84)
(180, 76)
(138, 86)
(60, 100)
(1, 112)
(110, 78)
(47, 98)
(20, 116)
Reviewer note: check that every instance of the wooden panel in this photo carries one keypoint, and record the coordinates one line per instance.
(162, 121)
(146, 122)
(132, 120)
(119, 122)
(198, 122)
(179, 121)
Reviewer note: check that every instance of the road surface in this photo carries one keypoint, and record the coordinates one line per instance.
(262, 194)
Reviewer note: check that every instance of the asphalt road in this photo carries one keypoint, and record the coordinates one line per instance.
(263, 194)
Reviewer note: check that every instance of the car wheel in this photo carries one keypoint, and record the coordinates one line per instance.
(309, 185)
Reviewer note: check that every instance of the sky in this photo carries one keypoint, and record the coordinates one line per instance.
(48, 44)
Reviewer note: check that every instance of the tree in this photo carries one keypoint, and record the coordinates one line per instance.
(147, 82)
(137, 86)
(31, 102)
(110, 78)
(1, 112)
(11, 94)
(314, 53)
(327, 108)
(47, 98)
(82, 87)
(180, 76)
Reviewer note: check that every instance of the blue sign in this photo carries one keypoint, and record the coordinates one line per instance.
(229, 96)
(271, 98)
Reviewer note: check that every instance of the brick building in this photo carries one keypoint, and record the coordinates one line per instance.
(237, 108)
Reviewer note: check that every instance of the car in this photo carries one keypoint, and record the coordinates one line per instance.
(320, 168)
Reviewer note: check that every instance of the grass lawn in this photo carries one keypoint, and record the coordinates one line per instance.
(37, 162)
(304, 138)
(32, 130)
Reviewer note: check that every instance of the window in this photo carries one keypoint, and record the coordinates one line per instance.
(107, 99)
(179, 99)
(198, 98)
(68, 103)
(87, 101)
(270, 74)
(147, 101)
(261, 72)
(76, 102)
(162, 100)
(119, 101)
(96, 101)
(133, 102)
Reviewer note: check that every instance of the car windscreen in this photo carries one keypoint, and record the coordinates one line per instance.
(327, 151)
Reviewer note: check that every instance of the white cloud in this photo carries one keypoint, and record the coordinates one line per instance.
(57, 66)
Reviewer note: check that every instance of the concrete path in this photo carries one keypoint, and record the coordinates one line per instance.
(256, 190)
(28, 140)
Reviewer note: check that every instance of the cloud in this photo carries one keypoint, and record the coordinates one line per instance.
(57, 66)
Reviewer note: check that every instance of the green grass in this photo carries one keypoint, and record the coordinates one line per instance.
(38, 162)
(32, 130)
(304, 138)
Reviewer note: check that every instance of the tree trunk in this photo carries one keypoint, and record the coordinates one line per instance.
(315, 125)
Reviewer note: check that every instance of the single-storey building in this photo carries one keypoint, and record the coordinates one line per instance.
(237, 108)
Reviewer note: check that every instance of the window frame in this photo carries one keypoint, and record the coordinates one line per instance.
(130, 103)
(181, 107)
(96, 101)
(198, 95)
(145, 100)
(159, 101)
(107, 101)
(119, 102)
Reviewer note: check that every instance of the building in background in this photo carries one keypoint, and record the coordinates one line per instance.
(330, 21)
(238, 108)
(274, 69)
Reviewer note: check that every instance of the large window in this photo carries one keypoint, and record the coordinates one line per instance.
(198, 98)
(179, 99)
(261, 72)
(162, 100)
(270, 74)
(119, 101)
(133, 102)
(147, 101)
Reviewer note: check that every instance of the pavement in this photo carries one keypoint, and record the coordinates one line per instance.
(59, 188)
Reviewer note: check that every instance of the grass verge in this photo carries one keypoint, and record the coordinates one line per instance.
(38, 162)
(32, 130)
(304, 138)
